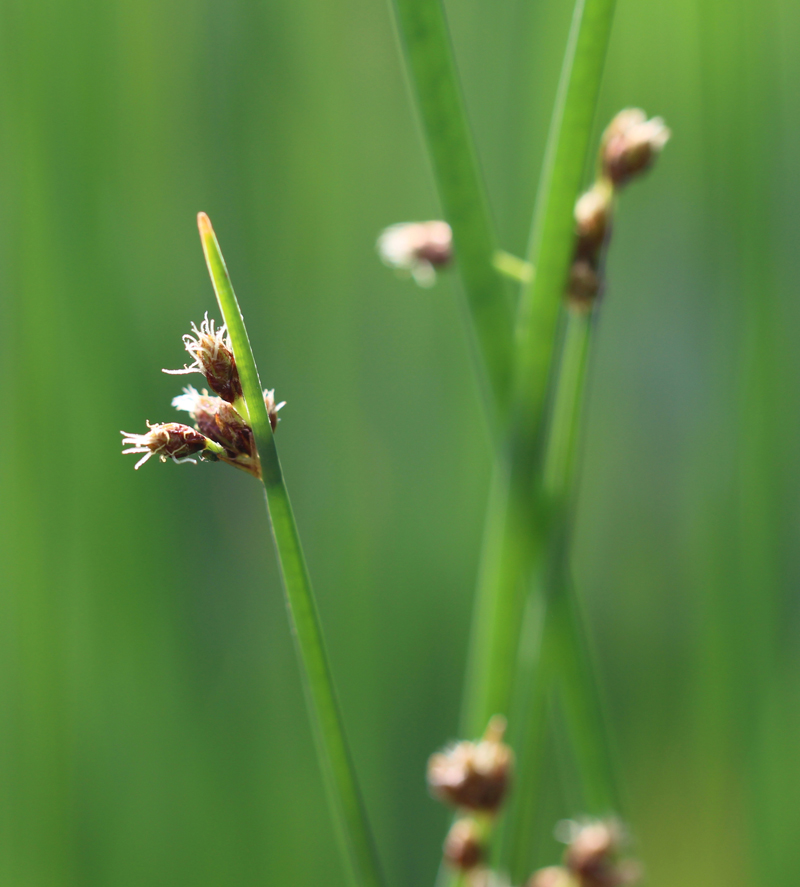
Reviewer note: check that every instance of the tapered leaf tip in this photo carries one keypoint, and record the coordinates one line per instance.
(204, 225)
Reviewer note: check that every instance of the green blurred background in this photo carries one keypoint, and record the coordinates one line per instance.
(152, 728)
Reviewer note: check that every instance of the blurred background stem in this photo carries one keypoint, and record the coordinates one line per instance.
(559, 653)
(527, 513)
(517, 526)
(434, 81)
(512, 528)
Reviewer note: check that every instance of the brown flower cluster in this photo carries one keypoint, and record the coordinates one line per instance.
(628, 148)
(417, 248)
(474, 778)
(168, 441)
(592, 859)
(220, 432)
(473, 775)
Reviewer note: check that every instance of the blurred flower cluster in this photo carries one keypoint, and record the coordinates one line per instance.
(474, 778)
(629, 147)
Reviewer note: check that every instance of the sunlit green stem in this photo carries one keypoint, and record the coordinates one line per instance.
(349, 812)
(552, 231)
(214, 448)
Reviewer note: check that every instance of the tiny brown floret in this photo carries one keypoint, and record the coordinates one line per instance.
(630, 144)
(463, 846)
(593, 217)
(419, 248)
(593, 848)
(272, 408)
(583, 285)
(473, 775)
(167, 441)
(219, 421)
(592, 855)
(210, 347)
(628, 147)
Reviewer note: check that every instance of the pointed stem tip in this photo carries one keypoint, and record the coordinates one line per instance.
(204, 224)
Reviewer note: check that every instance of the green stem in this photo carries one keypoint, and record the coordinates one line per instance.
(519, 513)
(514, 852)
(561, 451)
(583, 702)
(512, 266)
(513, 540)
(563, 654)
(337, 765)
(431, 68)
(552, 231)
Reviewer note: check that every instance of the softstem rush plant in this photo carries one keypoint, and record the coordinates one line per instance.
(537, 409)
(238, 427)
(512, 531)
(559, 654)
(525, 562)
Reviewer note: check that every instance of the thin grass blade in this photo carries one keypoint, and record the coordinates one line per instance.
(350, 815)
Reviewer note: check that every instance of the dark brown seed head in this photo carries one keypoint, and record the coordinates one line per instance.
(473, 775)
(170, 440)
(272, 408)
(593, 855)
(583, 286)
(220, 422)
(630, 145)
(213, 357)
(417, 247)
(463, 847)
(593, 212)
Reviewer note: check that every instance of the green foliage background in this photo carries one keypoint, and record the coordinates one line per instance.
(152, 729)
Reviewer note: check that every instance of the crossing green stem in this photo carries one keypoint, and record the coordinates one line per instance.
(563, 657)
(517, 528)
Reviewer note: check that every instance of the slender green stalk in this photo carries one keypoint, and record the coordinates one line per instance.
(432, 72)
(520, 516)
(527, 507)
(337, 765)
(571, 649)
(513, 852)
(514, 540)
(519, 511)
(552, 231)
(583, 702)
(563, 654)
(562, 442)
(512, 266)
(517, 537)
